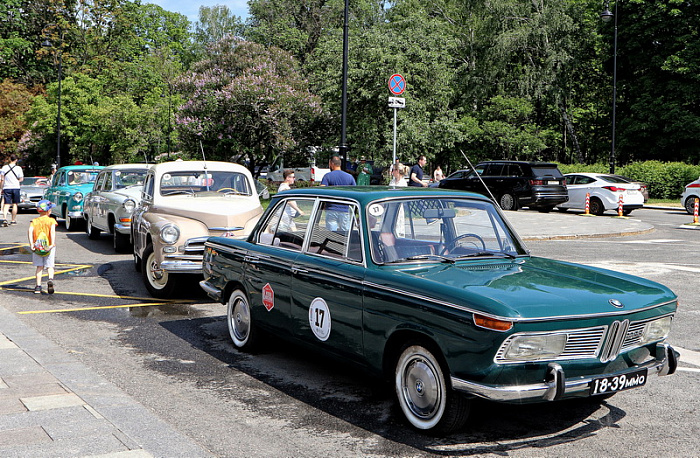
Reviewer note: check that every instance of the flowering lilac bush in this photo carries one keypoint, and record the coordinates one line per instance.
(247, 100)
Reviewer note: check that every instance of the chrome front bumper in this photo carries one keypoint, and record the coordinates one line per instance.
(212, 291)
(557, 386)
(182, 266)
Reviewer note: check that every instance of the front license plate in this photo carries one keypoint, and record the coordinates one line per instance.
(618, 382)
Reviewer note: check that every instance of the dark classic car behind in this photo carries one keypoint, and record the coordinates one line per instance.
(434, 290)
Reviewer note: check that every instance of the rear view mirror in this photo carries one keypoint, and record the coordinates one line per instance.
(434, 213)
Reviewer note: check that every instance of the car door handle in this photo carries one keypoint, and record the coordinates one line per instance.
(254, 259)
(298, 270)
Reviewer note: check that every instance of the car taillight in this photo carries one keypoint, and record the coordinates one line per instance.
(536, 182)
(693, 185)
(614, 189)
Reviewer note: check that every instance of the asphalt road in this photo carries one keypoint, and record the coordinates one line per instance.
(177, 360)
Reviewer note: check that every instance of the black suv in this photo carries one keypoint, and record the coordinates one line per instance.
(514, 184)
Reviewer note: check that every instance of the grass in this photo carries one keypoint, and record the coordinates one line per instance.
(665, 202)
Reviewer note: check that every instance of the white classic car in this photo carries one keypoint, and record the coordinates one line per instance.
(182, 204)
(108, 207)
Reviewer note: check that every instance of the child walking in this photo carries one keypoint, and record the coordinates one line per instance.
(42, 242)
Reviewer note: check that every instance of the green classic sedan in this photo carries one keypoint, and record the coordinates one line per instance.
(434, 290)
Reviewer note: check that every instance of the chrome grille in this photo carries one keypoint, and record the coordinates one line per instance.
(613, 343)
(602, 342)
(195, 245)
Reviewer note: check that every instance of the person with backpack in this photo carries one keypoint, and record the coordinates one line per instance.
(13, 178)
(42, 242)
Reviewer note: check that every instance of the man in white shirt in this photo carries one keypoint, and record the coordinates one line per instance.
(10, 191)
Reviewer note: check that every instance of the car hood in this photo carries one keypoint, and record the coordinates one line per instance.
(132, 192)
(532, 288)
(34, 190)
(213, 211)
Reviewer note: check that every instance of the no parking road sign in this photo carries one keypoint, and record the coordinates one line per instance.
(397, 84)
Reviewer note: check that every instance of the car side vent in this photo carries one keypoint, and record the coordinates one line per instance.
(613, 343)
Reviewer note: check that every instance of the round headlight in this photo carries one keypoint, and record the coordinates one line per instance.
(78, 196)
(169, 234)
(129, 205)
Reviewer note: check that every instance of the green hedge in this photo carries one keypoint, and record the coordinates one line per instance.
(666, 180)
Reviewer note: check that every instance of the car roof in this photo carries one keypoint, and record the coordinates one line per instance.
(530, 163)
(366, 194)
(81, 167)
(141, 166)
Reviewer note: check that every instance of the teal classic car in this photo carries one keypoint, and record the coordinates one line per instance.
(67, 190)
(434, 290)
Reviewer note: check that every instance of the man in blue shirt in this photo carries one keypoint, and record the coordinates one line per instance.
(337, 177)
(337, 215)
(416, 177)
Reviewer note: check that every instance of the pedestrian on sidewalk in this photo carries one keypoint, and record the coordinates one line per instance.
(42, 242)
(13, 178)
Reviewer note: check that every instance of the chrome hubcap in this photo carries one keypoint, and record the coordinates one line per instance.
(422, 388)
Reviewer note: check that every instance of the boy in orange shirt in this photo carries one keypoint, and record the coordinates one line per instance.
(42, 242)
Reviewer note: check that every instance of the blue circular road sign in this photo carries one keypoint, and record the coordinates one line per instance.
(397, 84)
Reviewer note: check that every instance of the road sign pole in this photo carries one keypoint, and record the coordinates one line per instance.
(393, 162)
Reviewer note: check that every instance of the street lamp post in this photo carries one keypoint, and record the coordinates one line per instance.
(344, 100)
(47, 44)
(606, 16)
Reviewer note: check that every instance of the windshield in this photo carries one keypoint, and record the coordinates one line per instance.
(129, 177)
(439, 229)
(200, 181)
(77, 177)
(34, 181)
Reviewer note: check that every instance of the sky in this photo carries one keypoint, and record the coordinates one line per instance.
(190, 8)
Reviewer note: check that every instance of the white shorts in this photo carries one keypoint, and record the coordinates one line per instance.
(45, 261)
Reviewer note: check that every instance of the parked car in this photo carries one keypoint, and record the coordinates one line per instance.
(514, 184)
(643, 187)
(605, 191)
(691, 192)
(434, 290)
(108, 207)
(31, 191)
(183, 203)
(67, 190)
(456, 180)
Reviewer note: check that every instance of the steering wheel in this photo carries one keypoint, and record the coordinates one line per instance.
(236, 191)
(454, 242)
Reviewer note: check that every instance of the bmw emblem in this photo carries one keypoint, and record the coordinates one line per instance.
(616, 303)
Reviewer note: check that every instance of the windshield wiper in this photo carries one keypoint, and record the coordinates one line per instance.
(189, 192)
(487, 253)
(428, 256)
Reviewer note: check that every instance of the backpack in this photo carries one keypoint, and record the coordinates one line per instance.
(41, 244)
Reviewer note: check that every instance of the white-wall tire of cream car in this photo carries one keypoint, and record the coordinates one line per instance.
(159, 283)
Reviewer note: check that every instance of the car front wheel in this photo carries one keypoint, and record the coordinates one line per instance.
(423, 394)
(240, 321)
(158, 282)
(121, 242)
(92, 232)
(596, 207)
(72, 223)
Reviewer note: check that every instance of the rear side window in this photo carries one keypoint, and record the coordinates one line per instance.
(336, 232)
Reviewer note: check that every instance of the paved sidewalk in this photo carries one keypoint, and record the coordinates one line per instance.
(532, 225)
(51, 405)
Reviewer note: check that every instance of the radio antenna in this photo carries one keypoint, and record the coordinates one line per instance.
(480, 179)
